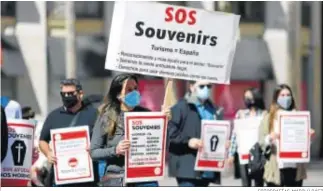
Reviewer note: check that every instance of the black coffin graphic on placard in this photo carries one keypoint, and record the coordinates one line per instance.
(18, 150)
(214, 143)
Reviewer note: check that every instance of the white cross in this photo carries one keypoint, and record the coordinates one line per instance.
(19, 147)
(213, 140)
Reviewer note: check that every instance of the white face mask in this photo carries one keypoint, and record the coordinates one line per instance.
(284, 101)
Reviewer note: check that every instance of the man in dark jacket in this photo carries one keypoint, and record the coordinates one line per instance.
(184, 131)
(4, 135)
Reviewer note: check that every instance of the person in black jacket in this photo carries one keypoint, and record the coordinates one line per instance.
(4, 134)
(184, 131)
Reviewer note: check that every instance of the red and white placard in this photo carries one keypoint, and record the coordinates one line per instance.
(294, 142)
(247, 131)
(145, 161)
(214, 135)
(15, 168)
(74, 164)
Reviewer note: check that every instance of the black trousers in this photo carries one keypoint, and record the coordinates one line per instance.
(287, 178)
(247, 179)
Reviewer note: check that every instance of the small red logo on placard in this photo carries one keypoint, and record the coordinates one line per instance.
(72, 162)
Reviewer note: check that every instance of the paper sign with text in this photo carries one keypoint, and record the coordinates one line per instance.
(247, 131)
(294, 143)
(74, 164)
(146, 132)
(172, 41)
(15, 169)
(215, 135)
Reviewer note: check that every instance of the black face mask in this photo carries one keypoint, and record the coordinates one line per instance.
(70, 101)
(249, 103)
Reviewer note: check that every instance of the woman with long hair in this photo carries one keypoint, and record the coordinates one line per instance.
(277, 173)
(108, 141)
(255, 107)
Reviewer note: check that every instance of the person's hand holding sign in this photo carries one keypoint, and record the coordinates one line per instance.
(122, 147)
(167, 112)
(195, 143)
(274, 136)
(51, 158)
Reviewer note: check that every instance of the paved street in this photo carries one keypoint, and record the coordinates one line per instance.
(315, 177)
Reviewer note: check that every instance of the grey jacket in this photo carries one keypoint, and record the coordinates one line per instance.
(103, 147)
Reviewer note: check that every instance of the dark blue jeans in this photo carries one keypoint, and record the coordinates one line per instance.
(143, 184)
(186, 182)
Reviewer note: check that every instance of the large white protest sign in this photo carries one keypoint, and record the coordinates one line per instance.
(172, 41)
(145, 160)
(70, 147)
(15, 169)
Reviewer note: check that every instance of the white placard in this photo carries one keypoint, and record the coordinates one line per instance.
(247, 131)
(145, 160)
(172, 41)
(294, 143)
(74, 163)
(15, 168)
(215, 135)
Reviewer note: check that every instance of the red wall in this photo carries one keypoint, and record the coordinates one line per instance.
(230, 97)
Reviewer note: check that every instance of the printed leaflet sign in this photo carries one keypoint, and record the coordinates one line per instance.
(74, 164)
(214, 135)
(146, 132)
(172, 41)
(247, 131)
(15, 169)
(294, 142)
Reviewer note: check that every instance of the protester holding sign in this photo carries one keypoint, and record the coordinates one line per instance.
(4, 134)
(279, 173)
(108, 141)
(184, 132)
(73, 113)
(255, 107)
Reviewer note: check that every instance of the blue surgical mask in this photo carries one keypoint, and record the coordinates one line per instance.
(284, 101)
(203, 93)
(132, 99)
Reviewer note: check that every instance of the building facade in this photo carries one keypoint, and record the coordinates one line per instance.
(34, 52)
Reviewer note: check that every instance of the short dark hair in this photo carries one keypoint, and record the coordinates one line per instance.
(72, 82)
(27, 113)
(191, 82)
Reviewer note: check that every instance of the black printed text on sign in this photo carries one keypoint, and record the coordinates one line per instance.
(171, 41)
(214, 135)
(146, 132)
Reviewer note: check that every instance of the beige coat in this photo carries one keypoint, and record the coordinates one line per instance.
(272, 173)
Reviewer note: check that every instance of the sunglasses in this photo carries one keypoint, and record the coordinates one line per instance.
(208, 86)
(68, 94)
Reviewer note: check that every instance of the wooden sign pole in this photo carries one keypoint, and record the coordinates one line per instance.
(170, 96)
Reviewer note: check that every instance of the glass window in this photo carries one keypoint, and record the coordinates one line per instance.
(83, 9)
(89, 9)
(8, 8)
(306, 13)
(250, 11)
